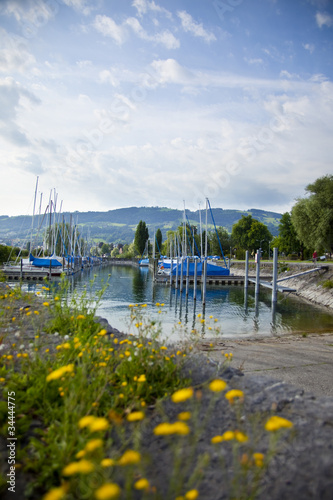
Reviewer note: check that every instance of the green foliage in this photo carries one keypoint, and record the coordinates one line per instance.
(288, 241)
(250, 234)
(328, 284)
(225, 240)
(312, 217)
(141, 237)
(159, 239)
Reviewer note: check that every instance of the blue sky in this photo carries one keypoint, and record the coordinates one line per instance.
(154, 102)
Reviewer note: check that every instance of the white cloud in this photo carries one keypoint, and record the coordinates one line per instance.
(189, 25)
(253, 61)
(143, 6)
(170, 71)
(14, 53)
(83, 6)
(309, 46)
(108, 27)
(324, 19)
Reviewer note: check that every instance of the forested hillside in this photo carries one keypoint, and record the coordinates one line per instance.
(118, 226)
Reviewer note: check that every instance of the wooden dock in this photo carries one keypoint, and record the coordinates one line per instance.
(211, 280)
(268, 284)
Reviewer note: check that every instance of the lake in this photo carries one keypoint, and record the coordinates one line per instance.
(228, 312)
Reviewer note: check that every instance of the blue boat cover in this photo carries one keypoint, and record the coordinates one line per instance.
(44, 261)
(212, 270)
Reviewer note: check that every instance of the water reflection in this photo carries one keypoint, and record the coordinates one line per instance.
(239, 313)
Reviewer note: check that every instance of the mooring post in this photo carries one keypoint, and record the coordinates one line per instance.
(258, 255)
(177, 270)
(181, 275)
(275, 271)
(246, 279)
(204, 283)
(171, 263)
(195, 279)
(187, 273)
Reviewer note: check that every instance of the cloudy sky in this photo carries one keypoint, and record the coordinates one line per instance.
(117, 103)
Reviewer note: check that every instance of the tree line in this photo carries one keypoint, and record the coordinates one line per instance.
(306, 228)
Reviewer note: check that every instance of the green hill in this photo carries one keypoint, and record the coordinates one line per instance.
(118, 226)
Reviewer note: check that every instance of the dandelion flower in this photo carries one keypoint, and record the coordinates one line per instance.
(98, 424)
(192, 495)
(55, 493)
(93, 444)
(184, 415)
(217, 439)
(141, 484)
(241, 437)
(107, 491)
(46, 304)
(234, 393)
(167, 429)
(182, 395)
(217, 385)
(130, 457)
(258, 459)
(107, 462)
(142, 378)
(275, 423)
(228, 435)
(81, 467)
(135, 416)
(85, 421)
(60, 372)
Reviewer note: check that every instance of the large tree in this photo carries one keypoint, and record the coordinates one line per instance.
(141, 237)
(159, 238)
(312, 217)
(250, 234)
(288, 240)
(225, 240)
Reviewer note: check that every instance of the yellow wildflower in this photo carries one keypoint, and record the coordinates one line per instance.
(80, 316)
(81, 467)
(228, 435)
(234, 393)
(102, 332)
(93, 444)
(182, 395)
(98, 424)
(142, 378)
(46, 304)
(192, 495)
(217, 385)
(135, 416)
(130, 457)
(258, 459)
(56, 493)
(241, 437)
(85, 421)
(141, 484)
(167, 429)
(108, 491)
(275, 423)
(184, 415)
(107, 462)
(217, 439)
(60, 372)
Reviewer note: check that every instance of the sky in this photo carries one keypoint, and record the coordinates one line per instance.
(121, 103)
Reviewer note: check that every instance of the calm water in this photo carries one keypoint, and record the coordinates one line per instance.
(237, 316)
